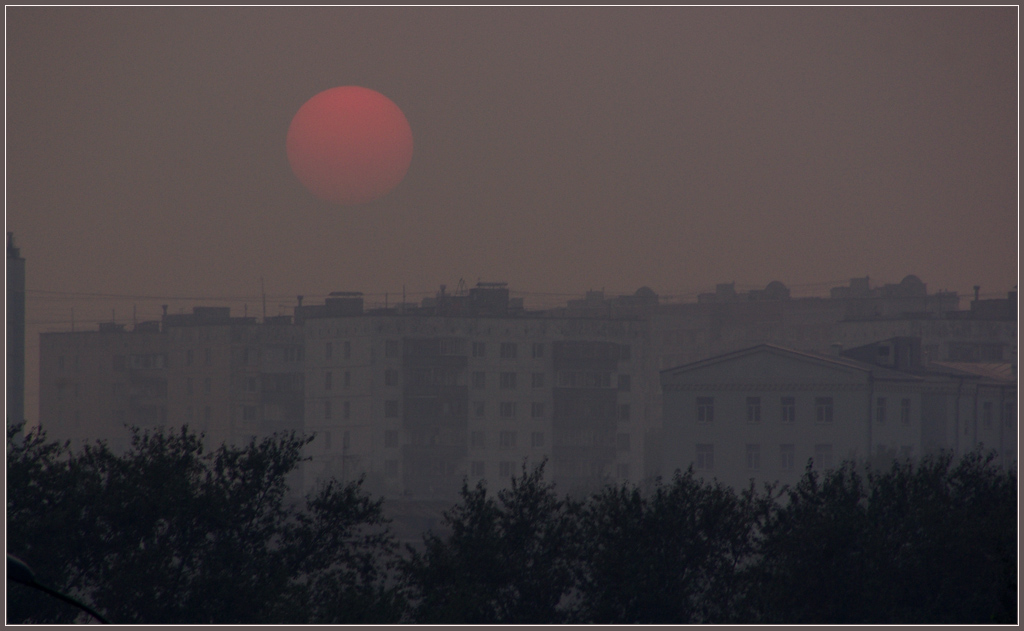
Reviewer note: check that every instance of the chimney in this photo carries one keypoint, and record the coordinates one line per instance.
(977, 290)
(300, 300)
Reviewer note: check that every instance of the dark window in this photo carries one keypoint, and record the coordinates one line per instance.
(705, 409)
(788, 409)
(705, 457)
(823, 407)
(753, 409)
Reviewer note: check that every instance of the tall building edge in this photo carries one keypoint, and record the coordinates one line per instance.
(15, 333)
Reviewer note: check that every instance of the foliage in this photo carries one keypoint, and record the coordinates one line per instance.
(930, 542)
(166, 533)
(504, 561)
(676, 556)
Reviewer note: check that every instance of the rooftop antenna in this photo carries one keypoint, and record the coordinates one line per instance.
(72, 319)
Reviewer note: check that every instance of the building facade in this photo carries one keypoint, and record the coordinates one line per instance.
(418, 402)
(764, 412)
(15, 333)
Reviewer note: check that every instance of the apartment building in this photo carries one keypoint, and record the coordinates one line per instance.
(416, 402)
(763, 412)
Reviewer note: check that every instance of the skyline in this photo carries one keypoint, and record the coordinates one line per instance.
(557, 149)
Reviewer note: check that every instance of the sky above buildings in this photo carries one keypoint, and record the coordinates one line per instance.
(558, 150)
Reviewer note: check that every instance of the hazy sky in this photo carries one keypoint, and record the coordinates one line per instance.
(559, 150)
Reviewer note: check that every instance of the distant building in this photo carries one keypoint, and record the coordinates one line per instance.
(470, 384)
(15, 333)
(762, 412)
(471, 387)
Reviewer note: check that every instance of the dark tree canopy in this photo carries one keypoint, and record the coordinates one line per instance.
(168, 533)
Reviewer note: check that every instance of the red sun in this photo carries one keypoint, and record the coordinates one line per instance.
(349, 145)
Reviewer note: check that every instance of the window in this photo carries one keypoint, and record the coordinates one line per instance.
(624, 383)
(537, 439)
(507, 409)
(390, 377)
(822, 456)
(189, 413)
(753, 457)
(986, 413)
(508, 350)
(880, 409)
(327, 409)
(347, 379)
(507, 439)
(622, 442)
(251, 384)
(536, 410)
(207, 385)
(1008, 419)
(119, 362)
(753, 409)
(327, 380)
(391, 408)
(476, 469)
(479, 380)
(207, 413)
(622, 471)
(508, 381)
(479, 409)
(538, 350)
(476, 439)
(624, 412)
(705, 409)
(505, 468)
(788, 409)
(390, 438)
(787, 457)
(705, 457)
(346, 350)
(60, 363)
(391, 349)
(248, 412)
(624, 352)
(391, 468)
(823, 407)
(906, 452)
(327, 441)
(346, 441)
(479, 349)
(328, 350)
(207, 357)
(537, 380)
(346, 409)
(189, 357)
(188, 385)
